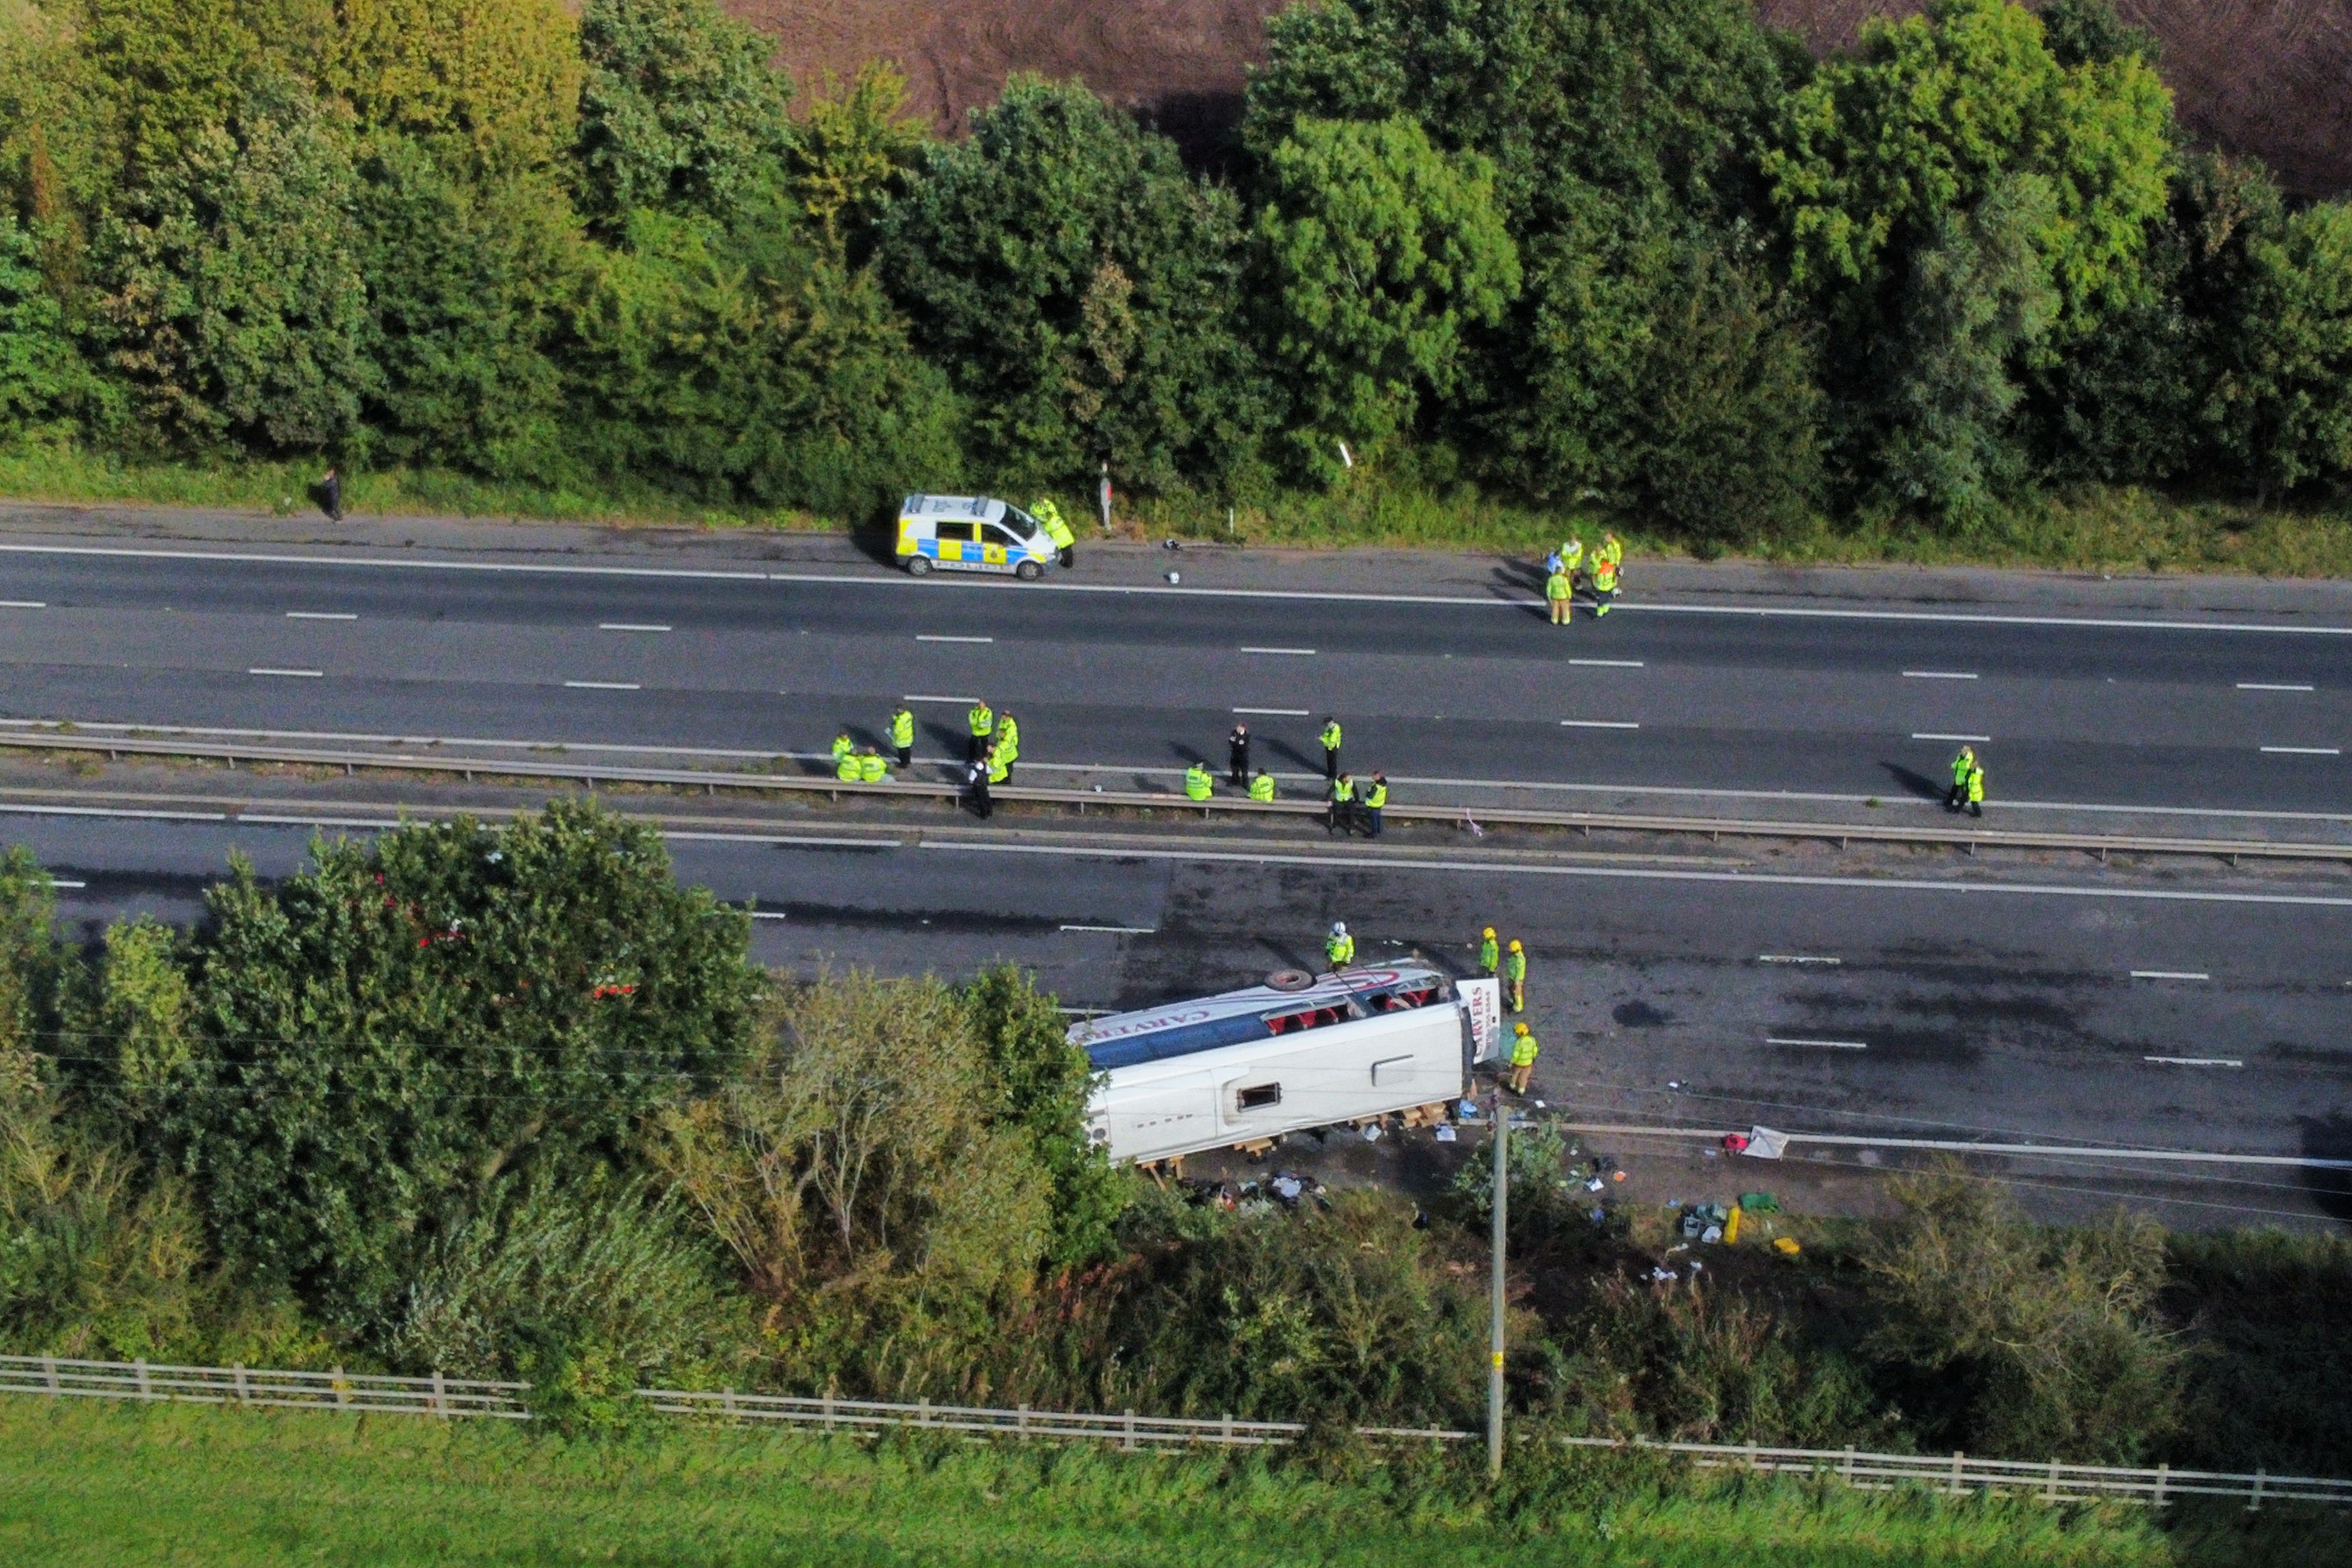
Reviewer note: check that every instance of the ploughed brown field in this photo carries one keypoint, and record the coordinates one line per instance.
(2273, 78)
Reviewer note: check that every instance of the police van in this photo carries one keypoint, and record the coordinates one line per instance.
(971, 533)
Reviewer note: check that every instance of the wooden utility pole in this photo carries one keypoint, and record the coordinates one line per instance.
(1502, 1219)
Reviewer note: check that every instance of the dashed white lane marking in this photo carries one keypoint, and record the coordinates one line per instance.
(2169, 975)
(303, 675)
(1292, 653)
(603, 685)
(1116, 930)
(321, 615)
(942, 637)
(2195, 1060)
(1647, 874)
(1823, 1044)
(931, 697)
(24, 604)
(2271, 686)
(1938, 675)
(2301, 751)
(1794, 959)
(1938, 735)
(55, 882)
(765, 913)
(2059, 1151)
(1599, 724)
(630, 626)
(1272, 712)
(1610, 663)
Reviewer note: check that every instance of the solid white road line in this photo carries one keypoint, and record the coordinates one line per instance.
(2271, 687)
(1824, 1044)
(894, 578)
(1610, 664)
(927, 698)
(24, 604)
(1598, 724)
(18, 809)
(794, 840)
(2169, 975)
(765, 913)
(1295, 653)
(1274, 713)
(305, 675)
(930, 637)
(630, 626)
(2063, 1151)
(603, 685)
(2301, 751)
(321, 615)
(1116, 930)
(1793, 958)
(2195, 1060)
(1761, 879)
(1931, 734)
(1937, 675)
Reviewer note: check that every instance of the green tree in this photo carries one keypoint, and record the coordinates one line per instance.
(384, 1036)
(233, 305)
(137, 1034)
(2281, 404)
(1080, 289)
(1619, 132)
(1379, 251)
(490, 85)
(679, 110)
(855, 151)
(741, 367)
(1039, 1082)
(2037, 1342)
(469, 287)
(1953, 150)
(42, 374)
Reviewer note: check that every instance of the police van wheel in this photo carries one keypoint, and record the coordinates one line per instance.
(918, 565)
(1028, 571)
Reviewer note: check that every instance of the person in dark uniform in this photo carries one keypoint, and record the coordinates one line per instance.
(975, 784)
(1237, 769)
(330, 495)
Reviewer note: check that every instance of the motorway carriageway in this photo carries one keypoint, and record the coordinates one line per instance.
(2070, 1010)
(1853, 702)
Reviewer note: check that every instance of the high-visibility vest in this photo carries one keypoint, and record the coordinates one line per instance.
(1262, 786)
(1377, 796)
(1610, 551)
(1049, 517)
(842, 746)
(1515, 966)
(1197, 783)
(1976, 785)
(1523, 1050)
(1008, 740)
(1960, 765)
(1331, 735)
(1339, 950)
(902, 728)
(1556, 586)
(1490, 954)
(1605, 575)
(845, 767)
(998, 769)
(1571, 553)
(1343, 790)
(872, 770)
(984, 719)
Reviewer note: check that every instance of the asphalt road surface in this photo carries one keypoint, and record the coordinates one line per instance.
(2115, 710)
(2045, 1005)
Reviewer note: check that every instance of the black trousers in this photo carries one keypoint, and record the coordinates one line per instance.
(982, 806)
(1331, 762)
(978, 745)
(906, 756)
(1237, 765)
(1956, 797)
(1069, 555)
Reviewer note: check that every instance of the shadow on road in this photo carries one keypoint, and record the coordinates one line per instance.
(2328, 1138)
(1914, 783)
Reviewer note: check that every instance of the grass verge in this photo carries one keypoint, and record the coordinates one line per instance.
(89, 1484)
(2119, 528)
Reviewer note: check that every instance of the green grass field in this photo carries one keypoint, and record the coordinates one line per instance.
(91, 1484)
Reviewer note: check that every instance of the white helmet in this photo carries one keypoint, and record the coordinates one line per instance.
(1339, 929)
